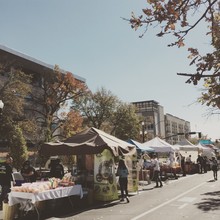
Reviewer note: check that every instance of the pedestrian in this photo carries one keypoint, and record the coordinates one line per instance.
(5, 178)
(183, 166)
(205, 164)
(188, 164)
(156, 167)
(56, 169)
(200, 163)
(122, 172)
(215, 168)
(28, 172)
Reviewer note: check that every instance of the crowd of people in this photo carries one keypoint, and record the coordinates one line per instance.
(29, 173)
(186, 166)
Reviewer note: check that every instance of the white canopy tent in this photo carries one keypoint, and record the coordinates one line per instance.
(186, 148)
(206, 151)
(159, 145)
(140, 146)
(186, 145)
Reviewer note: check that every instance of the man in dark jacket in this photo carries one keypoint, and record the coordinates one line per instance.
(28, 172)
(5, 178)
(56, 169)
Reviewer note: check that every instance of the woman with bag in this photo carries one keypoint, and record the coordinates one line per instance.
(215, 168)
(122, 172)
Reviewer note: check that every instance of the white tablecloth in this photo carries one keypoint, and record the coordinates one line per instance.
(19, 197)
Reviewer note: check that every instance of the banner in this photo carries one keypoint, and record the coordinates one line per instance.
(131, 163)
(105, 186)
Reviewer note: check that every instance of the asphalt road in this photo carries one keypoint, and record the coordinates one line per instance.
(192, 197)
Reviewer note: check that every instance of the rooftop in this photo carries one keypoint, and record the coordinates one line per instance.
(23, 60)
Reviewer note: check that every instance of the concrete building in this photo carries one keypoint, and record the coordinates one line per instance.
(12, 59)
(155, 123)
(175, 125)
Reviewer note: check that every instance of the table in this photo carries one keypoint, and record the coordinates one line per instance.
(170, 171)
(60, 192)
(28, 200)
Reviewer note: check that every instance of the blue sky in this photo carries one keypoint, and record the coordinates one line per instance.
(90, 39)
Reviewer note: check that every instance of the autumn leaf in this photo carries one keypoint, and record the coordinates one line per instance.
(180, 43)
(148, 12)
(172, 26)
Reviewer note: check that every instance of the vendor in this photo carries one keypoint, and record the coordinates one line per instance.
(5, 178)
(56, 169)
(28, 172)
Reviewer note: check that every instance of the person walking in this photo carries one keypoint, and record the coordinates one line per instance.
(200, 163)
(183, 166)
(205, 164)
(156, 166)
(215, 168)
(5, 178)
(122, 172)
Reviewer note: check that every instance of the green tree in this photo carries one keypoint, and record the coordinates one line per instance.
(18, 147)
(105, 111)
(13, 90)
(96, 108)
(125, 122)
(178, 18)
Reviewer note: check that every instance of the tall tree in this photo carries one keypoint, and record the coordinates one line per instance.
(96, 108)
(57, 90)
(174, 17)
(125, 122)
(105, 111)
(14, 89)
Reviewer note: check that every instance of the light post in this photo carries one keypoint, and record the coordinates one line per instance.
(143, 132)
(1, 106)
(159, 128)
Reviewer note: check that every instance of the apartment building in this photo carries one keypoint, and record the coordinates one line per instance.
(175, 125)
(156, 123)
(15, 60)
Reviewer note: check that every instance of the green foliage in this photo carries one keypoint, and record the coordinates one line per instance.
(126, 123)
(18, 148)
(13, 92)
(97, 108)
(105, 111)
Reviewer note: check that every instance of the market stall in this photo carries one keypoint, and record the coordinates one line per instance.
(159, 145)
(143, 172)
(167, 155)
(97, 154)
(28, 192)
(187, 149)
(30, 196)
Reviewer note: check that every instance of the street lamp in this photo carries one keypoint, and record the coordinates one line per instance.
(143, 132)
(1, 106)
(159, 128)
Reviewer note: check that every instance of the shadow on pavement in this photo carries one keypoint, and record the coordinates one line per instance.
(211, 202)
(64, 209)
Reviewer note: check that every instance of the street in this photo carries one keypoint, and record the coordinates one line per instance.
(192, 197)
